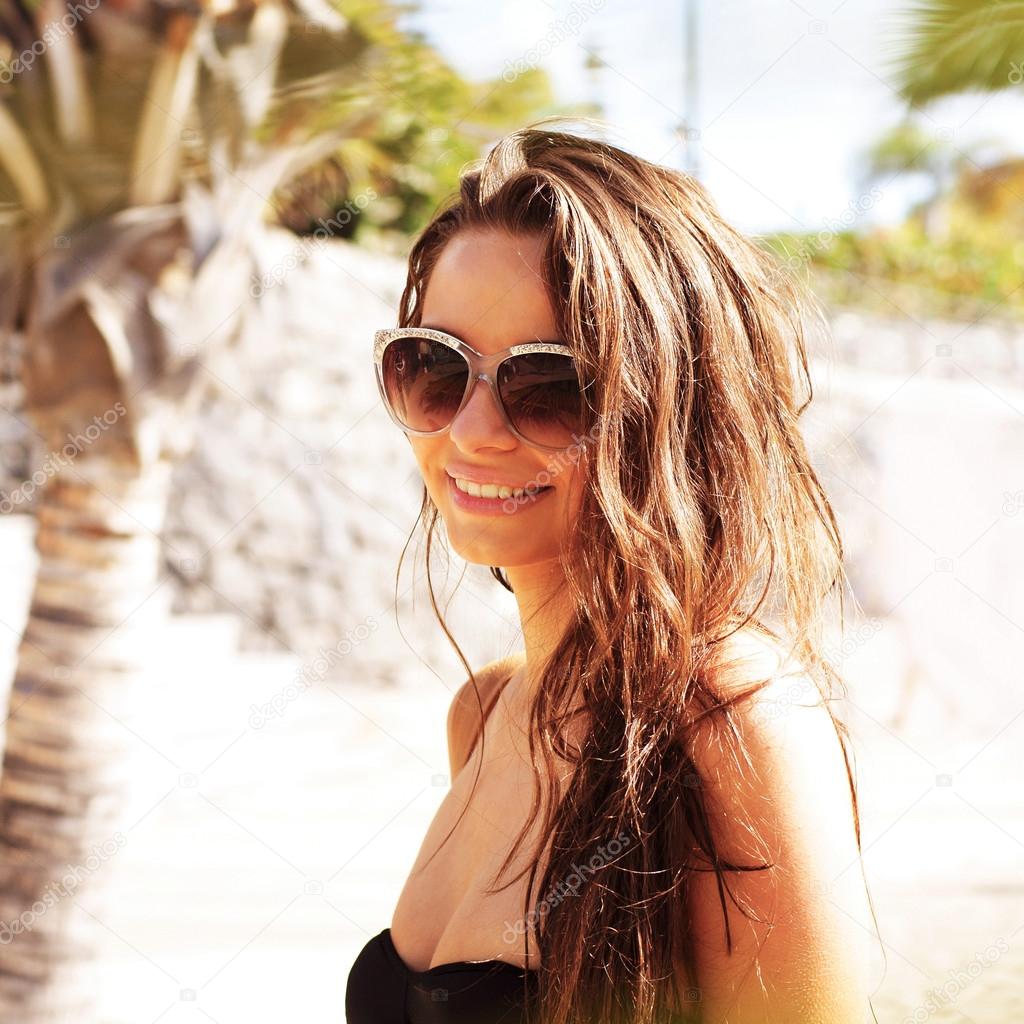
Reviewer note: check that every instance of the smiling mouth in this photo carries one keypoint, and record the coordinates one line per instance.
(496, 491)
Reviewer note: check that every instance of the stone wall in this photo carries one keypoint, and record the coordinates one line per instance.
(300, 495)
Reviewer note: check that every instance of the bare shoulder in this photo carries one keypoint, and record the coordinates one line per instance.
(791, 758)
(464, 712)
(781, 796)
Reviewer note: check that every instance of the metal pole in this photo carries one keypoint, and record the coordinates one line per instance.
(692, 144)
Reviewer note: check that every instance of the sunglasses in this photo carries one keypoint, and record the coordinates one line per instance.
(426, 376)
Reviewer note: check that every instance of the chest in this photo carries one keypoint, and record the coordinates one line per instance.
(453, 905)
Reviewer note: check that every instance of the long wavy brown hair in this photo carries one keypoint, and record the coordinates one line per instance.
(702, 514)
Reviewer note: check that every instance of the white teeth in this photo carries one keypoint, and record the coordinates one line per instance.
(492, 490)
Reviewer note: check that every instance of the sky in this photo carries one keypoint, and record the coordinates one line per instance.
(789, 94)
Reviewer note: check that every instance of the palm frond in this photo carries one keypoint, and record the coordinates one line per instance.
(73, 111)
(949, 46)
(157, 156)
(18, 159)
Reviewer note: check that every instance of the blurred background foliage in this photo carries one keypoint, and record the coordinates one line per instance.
(961, 249)
(423, 122)
(956, 252)
(407, 121)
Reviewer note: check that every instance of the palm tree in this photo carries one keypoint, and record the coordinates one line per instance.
(142, 147)
(950, 46)
(139, 146)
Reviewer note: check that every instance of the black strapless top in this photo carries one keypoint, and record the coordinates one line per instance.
(381, 989)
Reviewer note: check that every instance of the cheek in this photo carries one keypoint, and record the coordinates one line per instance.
(571, 497)
(575, 503)
(431, 457)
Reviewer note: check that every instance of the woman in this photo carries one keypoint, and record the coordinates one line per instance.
(597, 376)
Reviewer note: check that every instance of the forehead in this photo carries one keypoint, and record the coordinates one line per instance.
(486, 288)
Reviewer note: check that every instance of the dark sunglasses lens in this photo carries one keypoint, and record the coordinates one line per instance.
(424, 382)
(541, 392)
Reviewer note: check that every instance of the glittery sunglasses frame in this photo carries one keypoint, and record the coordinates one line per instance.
(481, 367)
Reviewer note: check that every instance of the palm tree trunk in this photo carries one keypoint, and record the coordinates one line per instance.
(64, 788)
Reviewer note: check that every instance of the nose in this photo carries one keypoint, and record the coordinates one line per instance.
(480, 422)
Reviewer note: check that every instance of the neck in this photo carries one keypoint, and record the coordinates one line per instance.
(544, 614)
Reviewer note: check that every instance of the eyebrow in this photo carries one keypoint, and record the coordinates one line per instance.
(441, 327)
(531, 341)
